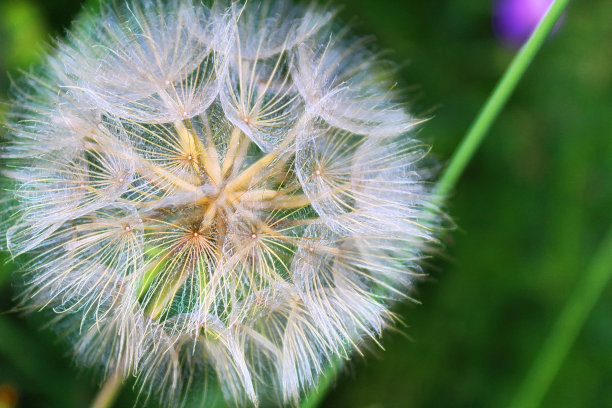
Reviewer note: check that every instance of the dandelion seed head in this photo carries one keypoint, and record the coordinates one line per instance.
(224, 192)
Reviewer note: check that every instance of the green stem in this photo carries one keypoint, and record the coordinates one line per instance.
(109, 392)
(316, 396)
(566, 329)
(497, 100)
(472, 140)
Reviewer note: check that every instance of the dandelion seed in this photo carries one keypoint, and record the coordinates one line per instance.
(229, 193)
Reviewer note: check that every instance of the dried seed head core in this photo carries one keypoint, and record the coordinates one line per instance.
(225, 189)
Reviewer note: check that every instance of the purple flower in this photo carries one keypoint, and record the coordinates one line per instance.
(515, 20)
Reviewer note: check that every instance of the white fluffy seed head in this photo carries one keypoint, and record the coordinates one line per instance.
(227, 189)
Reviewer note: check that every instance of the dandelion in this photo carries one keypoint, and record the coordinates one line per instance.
(224, 193)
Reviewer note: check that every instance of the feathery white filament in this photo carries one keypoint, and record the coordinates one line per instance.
(227, 190)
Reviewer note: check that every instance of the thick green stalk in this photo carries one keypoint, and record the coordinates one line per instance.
(109, 392)
(314, 399)
(497, 100)
(473, 138)
(566, 329)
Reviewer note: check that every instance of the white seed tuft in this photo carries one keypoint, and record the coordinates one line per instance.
(226, 189)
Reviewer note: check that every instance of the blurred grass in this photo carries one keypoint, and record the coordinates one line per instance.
(568, 326)
(530, 211)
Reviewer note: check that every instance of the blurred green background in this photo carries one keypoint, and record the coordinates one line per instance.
(530, 211)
